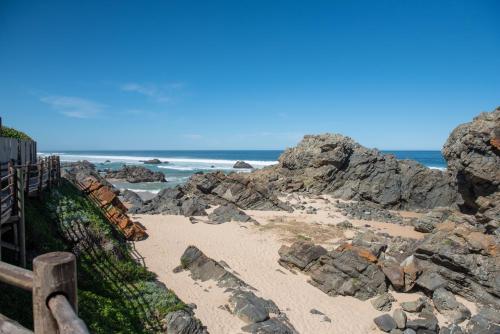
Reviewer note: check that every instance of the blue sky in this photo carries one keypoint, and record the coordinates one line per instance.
(245, 74)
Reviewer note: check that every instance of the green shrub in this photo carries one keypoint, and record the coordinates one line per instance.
(13, 133)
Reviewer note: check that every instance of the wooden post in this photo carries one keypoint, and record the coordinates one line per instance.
(53, 274)
(58, 161)
(40, 178)
(20, 214)
(12, 185)
(49, 175)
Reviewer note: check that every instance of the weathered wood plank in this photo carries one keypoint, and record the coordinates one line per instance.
(65, 316)
(16, 276)
(12, 327)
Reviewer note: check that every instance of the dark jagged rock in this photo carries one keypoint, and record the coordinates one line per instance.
(300, 254)
(136, 174)
(335, 164)
(242, 164)
(426, 321)
(173, 201)
(183, 322)
(399, 317)
(239, 189)
(347, 273)
(473, 155)
(229, 212)
(262, 315)
(81, 170)
(462, 260)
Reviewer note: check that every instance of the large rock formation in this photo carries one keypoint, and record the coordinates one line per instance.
(173, 201)
(136, 174)
(335, 164)
(473, 155)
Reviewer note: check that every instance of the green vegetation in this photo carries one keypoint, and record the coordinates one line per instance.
(116, 293)
(13, 133)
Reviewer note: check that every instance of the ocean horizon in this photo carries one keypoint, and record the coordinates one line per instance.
(179, 165)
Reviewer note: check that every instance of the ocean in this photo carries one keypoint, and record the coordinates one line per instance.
(182, 164)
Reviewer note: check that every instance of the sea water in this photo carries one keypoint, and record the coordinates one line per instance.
(178, 166)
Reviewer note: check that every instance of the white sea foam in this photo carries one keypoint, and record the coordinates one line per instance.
(438, 168)
(153, 191)
(68, 157)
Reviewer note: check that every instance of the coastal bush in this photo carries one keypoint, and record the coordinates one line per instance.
(116, 294)
(13, 133)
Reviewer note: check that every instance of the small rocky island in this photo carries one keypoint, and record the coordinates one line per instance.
(135, 174)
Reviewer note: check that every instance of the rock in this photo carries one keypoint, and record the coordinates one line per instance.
(399, 317)
(383, 302)
(248, 307)
(337, 165)
(183, 322)
(473, 157)
(152, 161)
(345, 225)
(242, 164)
(428, 222)
(204, 268)
(131, 197)
(482, 325)
(466, 265)
(414, 306)
(346, 273)
(411, 272)
(314, 311)
(136, 174)
(426, 321)
(300, 254)
(368, 211)
(431, 281)
(271, 326)
(240, 189)
(409, 331)
(396, 331)
(193, 207)
(174, 201)
(395, 274)
(446, 303)
(452, 329)
(385, 323)
(229, 212)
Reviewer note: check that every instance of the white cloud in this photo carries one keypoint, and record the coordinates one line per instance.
(74, 106)
(157, 93)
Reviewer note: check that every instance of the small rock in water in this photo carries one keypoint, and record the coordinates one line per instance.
(242, 164)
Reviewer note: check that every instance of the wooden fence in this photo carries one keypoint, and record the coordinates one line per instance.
(17, 181)
(53, 284)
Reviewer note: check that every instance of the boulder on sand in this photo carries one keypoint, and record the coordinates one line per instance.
(229, 212)
(242, 164)
(300, 254)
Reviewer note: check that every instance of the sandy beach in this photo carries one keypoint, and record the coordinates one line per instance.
(251, 251)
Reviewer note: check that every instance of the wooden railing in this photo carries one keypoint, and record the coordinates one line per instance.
(16, 182)
(53, 285)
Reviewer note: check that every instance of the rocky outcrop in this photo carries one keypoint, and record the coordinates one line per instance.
(136, 174)
(473, 156)
(262, 315)
(337, 165)
(462, 260)
(346, 271)
(173, 201)
(242, 164)
(239, 189)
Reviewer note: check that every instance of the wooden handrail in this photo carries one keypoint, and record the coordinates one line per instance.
(16, 276)
(10, 326)
(54, 288)
(66, 318)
